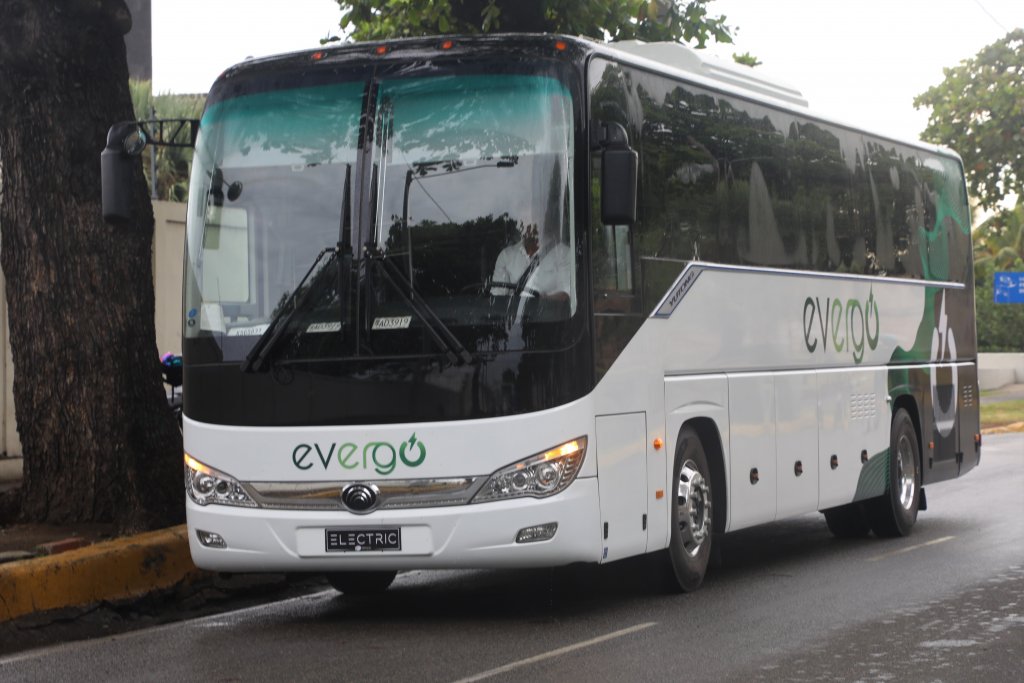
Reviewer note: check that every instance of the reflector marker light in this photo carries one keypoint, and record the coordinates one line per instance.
(560, 45)
(447, 45)
(381, 49)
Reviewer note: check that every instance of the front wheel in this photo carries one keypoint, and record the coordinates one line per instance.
(894, 513)
(692, 516)
(361, 583)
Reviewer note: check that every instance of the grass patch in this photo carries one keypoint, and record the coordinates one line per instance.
(1001, 414)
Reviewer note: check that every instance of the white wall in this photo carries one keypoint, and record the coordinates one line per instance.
(168, 264)
(999, 369)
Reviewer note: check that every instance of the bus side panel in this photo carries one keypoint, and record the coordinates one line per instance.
(621, 447)
(752, 449)
(969, 421)
(949, 419)
(796, 442)
(853, 439)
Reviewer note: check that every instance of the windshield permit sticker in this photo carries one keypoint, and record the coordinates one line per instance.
(248, 331)
(324, 327)
(394, 323)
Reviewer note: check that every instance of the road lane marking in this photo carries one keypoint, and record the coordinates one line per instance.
(555, 653)
(876, 558)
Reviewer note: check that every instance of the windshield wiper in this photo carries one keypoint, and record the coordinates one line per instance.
(439, 332)
(270, 339)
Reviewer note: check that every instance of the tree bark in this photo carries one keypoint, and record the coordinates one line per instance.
(98, 439)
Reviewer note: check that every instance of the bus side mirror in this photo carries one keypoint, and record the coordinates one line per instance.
(118, 163)
(618, 176)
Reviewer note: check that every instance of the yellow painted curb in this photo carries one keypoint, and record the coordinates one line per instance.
(113, 570)
(1005, 429)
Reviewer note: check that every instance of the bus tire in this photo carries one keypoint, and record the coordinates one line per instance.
(692, 520)
(848, 521)
(361, 583)
(893, 514)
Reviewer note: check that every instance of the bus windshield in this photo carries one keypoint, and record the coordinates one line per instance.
(446, 229)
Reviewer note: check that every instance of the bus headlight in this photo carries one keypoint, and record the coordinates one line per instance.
(538, 476)
(206, 485)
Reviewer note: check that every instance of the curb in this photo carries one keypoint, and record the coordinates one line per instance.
(123, 568)
(1005, 429)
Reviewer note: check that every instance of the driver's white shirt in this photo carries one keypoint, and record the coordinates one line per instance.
(551, 276)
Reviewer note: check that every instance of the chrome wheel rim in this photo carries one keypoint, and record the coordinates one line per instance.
(906, 472)
(694, 508)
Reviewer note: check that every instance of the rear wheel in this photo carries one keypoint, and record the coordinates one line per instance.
(848, 521)
(894, 513)
(361, 583)
(692, 515)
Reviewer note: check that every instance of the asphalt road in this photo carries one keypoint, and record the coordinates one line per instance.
(788, 602)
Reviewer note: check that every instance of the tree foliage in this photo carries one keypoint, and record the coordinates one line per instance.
(651, 20)
(1000, 326)
(978, 110)
(172, 163)
(999, 243)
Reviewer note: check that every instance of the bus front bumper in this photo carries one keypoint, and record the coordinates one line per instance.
(466, 536)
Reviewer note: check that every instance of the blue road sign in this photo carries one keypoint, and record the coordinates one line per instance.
(1008, 288)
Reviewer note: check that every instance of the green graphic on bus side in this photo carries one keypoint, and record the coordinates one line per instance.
(380, 456)
(874, 477)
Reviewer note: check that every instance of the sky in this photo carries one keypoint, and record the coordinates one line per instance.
(861, 61)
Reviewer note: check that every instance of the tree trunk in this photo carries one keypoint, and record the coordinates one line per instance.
(99, 441)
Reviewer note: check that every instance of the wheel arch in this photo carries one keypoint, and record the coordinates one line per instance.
(909, 404)
(711, 440)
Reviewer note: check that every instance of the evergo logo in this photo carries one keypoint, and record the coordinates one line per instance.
(380, 456)
(849, 326)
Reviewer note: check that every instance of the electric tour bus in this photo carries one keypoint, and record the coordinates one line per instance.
(520, 301)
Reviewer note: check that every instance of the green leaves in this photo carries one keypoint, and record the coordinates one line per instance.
(172, 163)
(978, 110)
(674, 20)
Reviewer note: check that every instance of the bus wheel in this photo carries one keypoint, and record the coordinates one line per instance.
(848, 521)
(692, 515)
(894, 513)
(361, 583)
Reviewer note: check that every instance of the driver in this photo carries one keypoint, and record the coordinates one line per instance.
(540, 258)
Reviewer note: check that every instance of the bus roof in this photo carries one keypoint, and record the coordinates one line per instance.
(664, 57)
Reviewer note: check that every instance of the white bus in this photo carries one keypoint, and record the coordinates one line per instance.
(521, 301)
